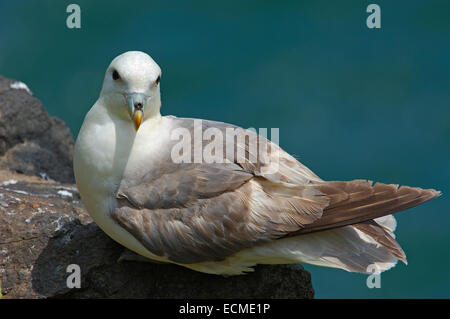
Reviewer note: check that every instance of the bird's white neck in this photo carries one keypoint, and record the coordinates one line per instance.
(104, 150)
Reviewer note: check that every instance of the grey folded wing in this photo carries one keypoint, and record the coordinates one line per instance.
(195, 212)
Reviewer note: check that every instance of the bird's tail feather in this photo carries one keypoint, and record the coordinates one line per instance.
(361, 211)
(383, 237)
(347, 248)
(356, 229)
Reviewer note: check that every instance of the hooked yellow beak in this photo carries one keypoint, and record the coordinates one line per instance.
(136, 104)
(137, 118)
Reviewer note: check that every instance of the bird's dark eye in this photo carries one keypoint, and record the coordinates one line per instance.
(115, 75)
(157, 80)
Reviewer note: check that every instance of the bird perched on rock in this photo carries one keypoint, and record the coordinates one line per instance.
(224, 214)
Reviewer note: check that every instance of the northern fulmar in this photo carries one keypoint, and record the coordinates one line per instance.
(225, 215)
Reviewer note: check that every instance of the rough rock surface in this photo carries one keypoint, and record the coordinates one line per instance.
(31, 141)
(44, 228)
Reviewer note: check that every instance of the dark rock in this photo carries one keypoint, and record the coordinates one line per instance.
(44, 228)
(31, 141)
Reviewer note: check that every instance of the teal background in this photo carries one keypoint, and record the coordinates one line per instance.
(350, 102)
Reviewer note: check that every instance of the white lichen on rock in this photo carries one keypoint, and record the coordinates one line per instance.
(20, 86)
(65, 193)
(9, 182)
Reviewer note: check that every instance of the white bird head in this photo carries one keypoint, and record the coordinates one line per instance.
(131, 87)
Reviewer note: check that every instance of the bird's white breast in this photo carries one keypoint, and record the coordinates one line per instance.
(107, 150)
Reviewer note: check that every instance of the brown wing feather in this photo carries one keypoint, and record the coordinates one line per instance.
(358, 201)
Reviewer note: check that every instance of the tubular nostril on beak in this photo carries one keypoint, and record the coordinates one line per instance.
(138, 106)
